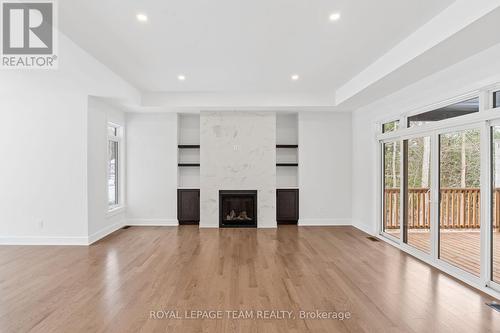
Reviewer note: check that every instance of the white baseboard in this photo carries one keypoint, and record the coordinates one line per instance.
(104, 232)
(152, 222)
(40, 240)
(84, 241)
(80, 241)
(364, 228)
(324, 222)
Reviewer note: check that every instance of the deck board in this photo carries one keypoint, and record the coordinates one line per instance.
(459, 248)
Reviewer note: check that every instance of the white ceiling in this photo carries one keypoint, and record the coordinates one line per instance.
(242, 46)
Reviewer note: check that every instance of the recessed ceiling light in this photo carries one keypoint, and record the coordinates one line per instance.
(295, 77)
(334, 16)
(142, 17)
(181, 77)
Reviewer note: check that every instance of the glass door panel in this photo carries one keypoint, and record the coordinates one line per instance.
(495, 212)
(392, 184)
(418, 193)
(459, 210)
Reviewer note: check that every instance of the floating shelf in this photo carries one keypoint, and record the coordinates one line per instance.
(189, 164)
(287, 164)
(188, 146)
(287, 146)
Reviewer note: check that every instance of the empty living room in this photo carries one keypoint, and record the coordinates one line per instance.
(249, 166)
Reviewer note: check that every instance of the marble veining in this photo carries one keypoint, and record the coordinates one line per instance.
(238, 152)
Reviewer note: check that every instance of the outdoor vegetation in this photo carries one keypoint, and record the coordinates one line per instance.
(459, 160)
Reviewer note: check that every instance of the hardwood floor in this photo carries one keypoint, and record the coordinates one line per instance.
(113, 286)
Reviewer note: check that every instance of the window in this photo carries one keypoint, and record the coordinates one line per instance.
(392, 184)
(450, 111)
(113, 167)
(496, 99)
(390, 127)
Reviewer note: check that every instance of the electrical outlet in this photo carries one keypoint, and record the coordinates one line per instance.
(236, 147)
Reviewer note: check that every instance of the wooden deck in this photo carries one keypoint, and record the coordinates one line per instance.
(459, 222)
(459, 208)
(459, 248)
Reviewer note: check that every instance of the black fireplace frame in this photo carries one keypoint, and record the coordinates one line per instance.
(236, 193)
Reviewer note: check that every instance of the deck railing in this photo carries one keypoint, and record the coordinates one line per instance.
(459, 208)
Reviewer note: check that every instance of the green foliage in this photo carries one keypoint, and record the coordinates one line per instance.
(392, 157)
(390, 127)
(418, 149)
(459, 161)
(454, 147)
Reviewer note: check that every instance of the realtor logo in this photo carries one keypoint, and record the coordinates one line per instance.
(28, 34)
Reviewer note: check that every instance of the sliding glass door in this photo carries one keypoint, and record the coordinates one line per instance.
(391, 188)
(441, 186)
(417, 195)
(459, 210)
(495, 211)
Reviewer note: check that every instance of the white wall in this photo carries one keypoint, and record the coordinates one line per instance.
(471, 74)
(43, 143)
(151, 169)
(238, 152)
(100, 222)
(287, 129)
(325, 168)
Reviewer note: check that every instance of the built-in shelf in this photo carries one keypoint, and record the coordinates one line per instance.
(189, 164)
(287, 151)
(188, 146)
(188, 156)
(287, 155)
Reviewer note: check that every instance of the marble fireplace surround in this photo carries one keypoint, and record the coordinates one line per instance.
(238, 152)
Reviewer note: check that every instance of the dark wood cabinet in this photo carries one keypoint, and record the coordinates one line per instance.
(188, 206)
(287, 206)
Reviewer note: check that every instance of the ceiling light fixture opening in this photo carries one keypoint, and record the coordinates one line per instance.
(142, 17)
(335, 16)
(295, 77)
(181, 77)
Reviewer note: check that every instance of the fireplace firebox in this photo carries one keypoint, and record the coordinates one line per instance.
(238, 209)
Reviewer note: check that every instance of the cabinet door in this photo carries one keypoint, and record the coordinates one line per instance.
(188, 206)
(287, 206)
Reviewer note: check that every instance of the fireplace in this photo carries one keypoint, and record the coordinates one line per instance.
(238, 209)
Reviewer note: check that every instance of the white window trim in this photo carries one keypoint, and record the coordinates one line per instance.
(115, 210)
(442, 104)
(485, 103)
(483, 120)
(491, 100)
(381, 129)
(120, 207)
